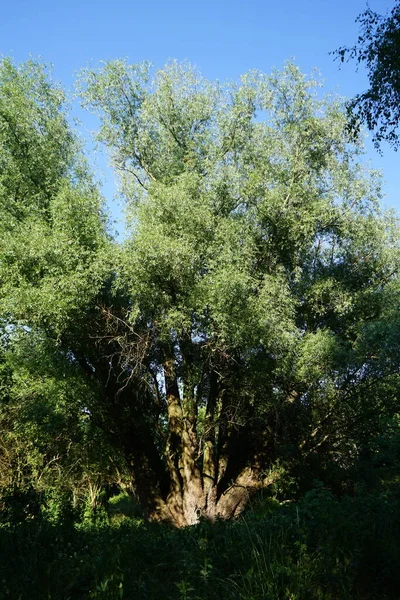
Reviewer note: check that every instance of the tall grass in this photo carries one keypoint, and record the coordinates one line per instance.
(320, 548)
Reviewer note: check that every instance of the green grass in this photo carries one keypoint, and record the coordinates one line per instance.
(321, 548)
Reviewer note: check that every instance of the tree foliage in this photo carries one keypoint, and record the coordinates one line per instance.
(378, 48)
(52, 240)
(249, 322)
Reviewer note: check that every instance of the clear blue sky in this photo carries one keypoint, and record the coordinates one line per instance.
(223, 39)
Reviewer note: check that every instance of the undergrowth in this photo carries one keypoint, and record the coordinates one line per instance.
(319, 548)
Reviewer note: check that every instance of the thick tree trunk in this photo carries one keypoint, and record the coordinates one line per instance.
(230, 504)
(212, 477)
(189, 473)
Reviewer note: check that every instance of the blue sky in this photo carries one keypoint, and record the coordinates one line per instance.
(223, 39)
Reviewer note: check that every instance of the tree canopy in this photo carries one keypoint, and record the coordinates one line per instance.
(378, 49)
(248, 324)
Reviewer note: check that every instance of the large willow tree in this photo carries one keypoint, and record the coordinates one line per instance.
(250, 319)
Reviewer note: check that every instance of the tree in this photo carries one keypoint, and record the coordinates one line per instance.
(378, 48)
(259, 276)
(249, 322)
(52, 238)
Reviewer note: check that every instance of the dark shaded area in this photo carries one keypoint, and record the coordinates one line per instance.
(321, 547)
